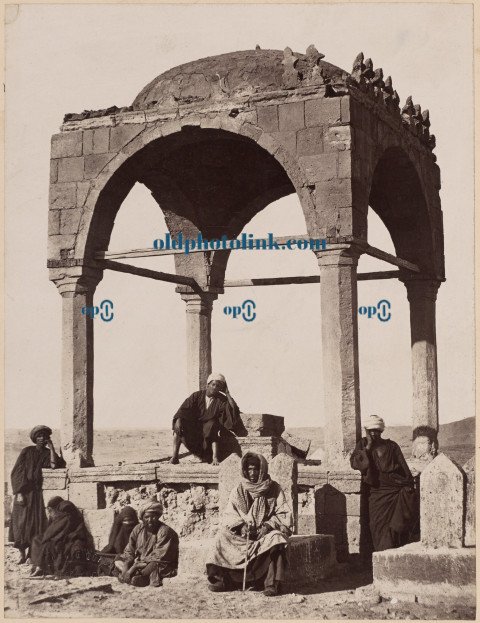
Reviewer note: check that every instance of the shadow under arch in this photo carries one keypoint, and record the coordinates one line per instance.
(397, 197)
(205, 180)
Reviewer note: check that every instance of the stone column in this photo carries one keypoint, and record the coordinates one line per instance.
(199, 341)
(77, 287)
(422, 295)
(338, 289)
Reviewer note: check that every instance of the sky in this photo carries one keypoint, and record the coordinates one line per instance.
(69, 58)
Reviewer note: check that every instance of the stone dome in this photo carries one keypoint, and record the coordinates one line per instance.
(229, 75)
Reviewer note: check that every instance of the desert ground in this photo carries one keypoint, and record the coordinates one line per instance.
(347, 596)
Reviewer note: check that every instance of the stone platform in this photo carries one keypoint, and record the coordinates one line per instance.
(417, 573)
(311, 558)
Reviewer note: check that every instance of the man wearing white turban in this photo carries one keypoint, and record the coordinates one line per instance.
(200, 418)
(387, 485)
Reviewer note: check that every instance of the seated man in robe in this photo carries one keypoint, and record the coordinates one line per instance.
(152, 550)
(200, 418)
(66, 546)
(388, 486)
(257, 516)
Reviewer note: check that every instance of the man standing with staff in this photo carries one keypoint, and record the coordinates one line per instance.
(201, 416)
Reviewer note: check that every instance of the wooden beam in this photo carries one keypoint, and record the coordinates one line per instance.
(280, 281)
(150, 274)
(391, 259)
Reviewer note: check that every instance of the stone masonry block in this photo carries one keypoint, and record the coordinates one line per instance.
(67, 144)
(228, 477)
(307, 524)
(441, 503)
(469, 469)
(247, 129)
(325, 111)
(291, 116)
(88, 142)
(262, 424)
(70, 169)
(53, 171)
(121, 135)
(283, 469)
(99, 523)
(267, 118)
(345, 108)
(288, 140)
(96, 141)
(70, 220)
(58, 242)
(54, 478)
(83, 189)
(310, 558)
(338, 138)
(319, 167)
(344, 166)
(310, 141)
(94, 163)
(63, 196)
(353, 534)
(53, 222)
(348, 482)
(88, 495)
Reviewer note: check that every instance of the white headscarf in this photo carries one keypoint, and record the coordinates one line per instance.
(374, 422)
(216, 377)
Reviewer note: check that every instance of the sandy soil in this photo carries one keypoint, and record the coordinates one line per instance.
(345, 597)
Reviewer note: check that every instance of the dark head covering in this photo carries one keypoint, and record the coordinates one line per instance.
(55, 502)
(120, 532)
(39, 429)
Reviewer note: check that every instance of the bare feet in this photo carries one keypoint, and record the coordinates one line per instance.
(36, 573)
(174, 460)
(215, 462)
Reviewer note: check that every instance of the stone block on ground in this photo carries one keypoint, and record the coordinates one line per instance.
(267, 446)
(99, 523)
(54, 478)
(88, 495)
(262, 424)
(228, 477)
(441, 503)
(432, 575)
(283, 469)
(469, 469)
(311, 558)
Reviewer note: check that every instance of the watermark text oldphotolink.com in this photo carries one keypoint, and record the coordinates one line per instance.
(245, 242)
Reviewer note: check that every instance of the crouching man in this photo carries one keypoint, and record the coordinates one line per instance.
(152, 550)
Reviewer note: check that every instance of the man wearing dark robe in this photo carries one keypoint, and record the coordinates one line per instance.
(198, 421)
(388, 486)
(28, 513)
(152, 550)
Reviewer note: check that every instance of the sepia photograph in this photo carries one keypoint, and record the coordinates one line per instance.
(239, 311)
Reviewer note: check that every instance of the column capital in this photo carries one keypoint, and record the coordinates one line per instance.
(199, 303)
(76, 279)
(421, 289)
(340, 255)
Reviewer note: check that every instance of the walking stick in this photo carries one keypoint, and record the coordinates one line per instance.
(246, 559)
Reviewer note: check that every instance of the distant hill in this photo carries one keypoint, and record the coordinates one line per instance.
(457, 439)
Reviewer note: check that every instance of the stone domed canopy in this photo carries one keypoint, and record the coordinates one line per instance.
(233, 74)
